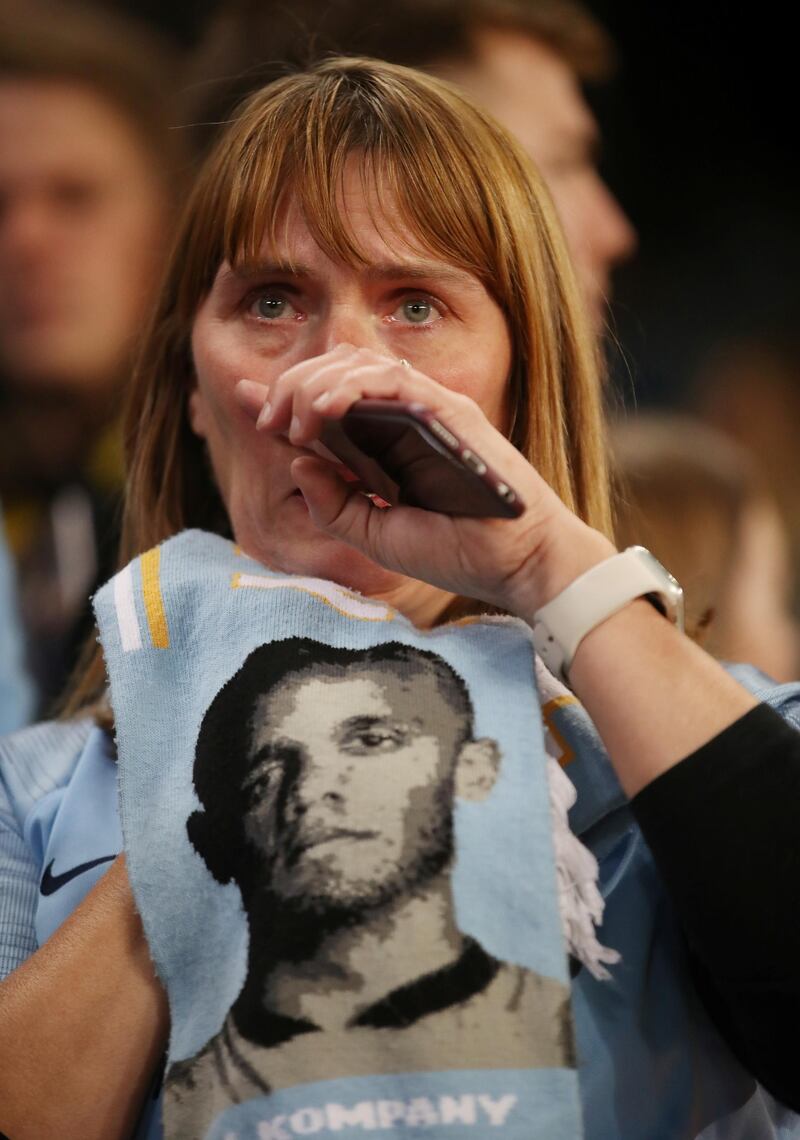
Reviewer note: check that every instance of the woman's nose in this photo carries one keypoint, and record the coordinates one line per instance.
(351, 326)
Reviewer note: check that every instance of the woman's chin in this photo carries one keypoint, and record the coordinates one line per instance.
(308, 552)
(340, 563)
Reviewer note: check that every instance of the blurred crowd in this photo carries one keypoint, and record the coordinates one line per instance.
(103, 121)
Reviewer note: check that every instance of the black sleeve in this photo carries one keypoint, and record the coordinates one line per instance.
(723, 828)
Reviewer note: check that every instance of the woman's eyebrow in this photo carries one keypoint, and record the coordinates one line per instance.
(249, 270)
(430, 270)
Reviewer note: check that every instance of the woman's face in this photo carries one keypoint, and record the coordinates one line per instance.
(403, 303)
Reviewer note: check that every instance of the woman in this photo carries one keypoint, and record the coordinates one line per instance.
(89, 169)
(364, 231)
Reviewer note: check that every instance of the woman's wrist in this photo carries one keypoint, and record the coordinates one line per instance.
(574, 550)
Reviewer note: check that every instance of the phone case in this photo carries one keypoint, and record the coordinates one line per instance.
(403, 453)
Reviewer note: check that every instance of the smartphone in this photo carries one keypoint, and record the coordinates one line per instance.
(401, 453)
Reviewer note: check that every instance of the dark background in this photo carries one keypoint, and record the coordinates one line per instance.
(701, 147)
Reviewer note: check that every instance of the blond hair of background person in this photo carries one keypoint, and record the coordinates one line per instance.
(406, 225)
(749, 387)
(694, 498)
(88, 170)
(522, 60)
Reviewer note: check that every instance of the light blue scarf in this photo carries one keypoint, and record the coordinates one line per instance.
(339, 836)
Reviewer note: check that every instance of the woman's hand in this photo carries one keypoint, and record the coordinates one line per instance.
(515, 564)
(653, 695)
(634, 672)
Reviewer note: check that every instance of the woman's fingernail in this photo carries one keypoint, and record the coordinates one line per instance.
(264, 415)
(294, 426)
(251, 387)
(250, 395)
(321, 401)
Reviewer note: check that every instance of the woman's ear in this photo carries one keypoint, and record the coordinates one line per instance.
(196, 406)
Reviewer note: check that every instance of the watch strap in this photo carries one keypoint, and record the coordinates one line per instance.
(561, 624)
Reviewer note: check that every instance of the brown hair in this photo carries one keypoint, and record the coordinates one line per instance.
(251, 42)
(749, 387)
(486, 212)
(683, 491)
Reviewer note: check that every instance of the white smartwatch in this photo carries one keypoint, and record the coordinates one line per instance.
(561, 625)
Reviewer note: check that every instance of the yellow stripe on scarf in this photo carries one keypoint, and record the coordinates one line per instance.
(153, 601)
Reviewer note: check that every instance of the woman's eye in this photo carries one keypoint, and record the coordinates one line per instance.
(271, 307)
(417, 311)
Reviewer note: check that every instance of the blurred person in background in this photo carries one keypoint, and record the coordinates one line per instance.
(750, 389)
(16, 703)
(87, 171)
(695, 498)
(523, 60)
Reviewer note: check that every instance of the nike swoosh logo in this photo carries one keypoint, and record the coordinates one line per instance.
(52, 883)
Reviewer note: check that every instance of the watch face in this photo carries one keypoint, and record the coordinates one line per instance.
(668, 586)
(657, 566)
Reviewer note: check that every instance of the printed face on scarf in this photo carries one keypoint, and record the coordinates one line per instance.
(349, 797)
(350, 793)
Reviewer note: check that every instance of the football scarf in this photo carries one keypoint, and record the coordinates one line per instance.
(340, 836)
